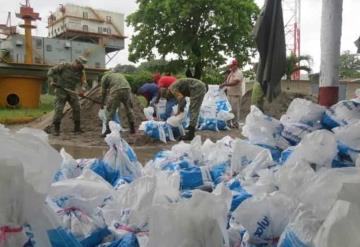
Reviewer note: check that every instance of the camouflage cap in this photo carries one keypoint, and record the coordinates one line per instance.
(81, 60)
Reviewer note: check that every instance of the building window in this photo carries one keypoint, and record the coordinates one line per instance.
(108, 18)
(85, 15)
(85, 28)
(97, 65)
(38, 43)
(104, 29)
(48, 48)
(109, 30)
(99, 29)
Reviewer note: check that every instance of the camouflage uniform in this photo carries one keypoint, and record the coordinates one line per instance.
(65, 75)
(193, 88)
(120, 92)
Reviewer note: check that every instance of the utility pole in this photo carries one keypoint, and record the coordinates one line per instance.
(331, 21)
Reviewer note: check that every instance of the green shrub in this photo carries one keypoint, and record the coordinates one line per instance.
(138, 78)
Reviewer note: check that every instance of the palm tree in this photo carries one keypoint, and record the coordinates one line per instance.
(292, 64)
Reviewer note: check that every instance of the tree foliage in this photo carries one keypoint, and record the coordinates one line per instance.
(200, 32)
(126, 68)
(293, 64)
(349, 65)
(163, 67)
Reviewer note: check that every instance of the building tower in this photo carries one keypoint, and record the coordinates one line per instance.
(28, 15)
(292, 18)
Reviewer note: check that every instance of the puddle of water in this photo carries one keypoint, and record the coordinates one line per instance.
(143, 153)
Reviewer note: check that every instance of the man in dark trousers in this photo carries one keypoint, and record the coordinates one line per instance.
(195, 89)
(67, 76)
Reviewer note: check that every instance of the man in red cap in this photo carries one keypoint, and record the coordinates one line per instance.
(233, 83)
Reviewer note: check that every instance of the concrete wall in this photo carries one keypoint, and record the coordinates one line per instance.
(54, 51)
(346, 88)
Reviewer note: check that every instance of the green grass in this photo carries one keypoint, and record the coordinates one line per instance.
(17, 116)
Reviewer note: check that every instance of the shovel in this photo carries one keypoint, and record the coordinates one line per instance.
(76, 93)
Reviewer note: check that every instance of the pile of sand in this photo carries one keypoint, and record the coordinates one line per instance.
(276, 108)
(92, 125)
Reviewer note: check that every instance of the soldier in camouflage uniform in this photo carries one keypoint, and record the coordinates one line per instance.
(69, 76)
(119, 91)
(195, 89)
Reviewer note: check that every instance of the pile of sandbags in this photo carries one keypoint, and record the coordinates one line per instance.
(292, 182)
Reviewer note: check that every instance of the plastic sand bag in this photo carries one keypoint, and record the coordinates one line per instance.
(294, 132)
(35, 132)
(198, 221)
(341, 227)
(39, 159)
(303, 111)
(321, 192)
(102, 116)
(158, 130)
(161, 109)
(262, 129)
(308, 149)
(301, 230)
(348, 138)
(239, 194)
(130, 206)
(343, 113)
(195, 177)
(243, 154)
(120, 155)
(149, 112)
(85, 192)
(22, 222)
(264, 218)
(289, 179)
(69, 167)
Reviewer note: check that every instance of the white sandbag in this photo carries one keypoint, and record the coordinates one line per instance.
(264, 218)
(69, 167)
(160, 108)
(243, 154)
(322, 191)
(42, 135)
(130, 206)
(21, 208)
(149, 112)
(176, 121)
(341, 227)
(303, 111)
(39, 159)
(120, 155)
(262, 129)
(289, 179)
(310, 146)
(198, 221)
(349, 135)
(261, 161)
(85, 192)
(301, 230)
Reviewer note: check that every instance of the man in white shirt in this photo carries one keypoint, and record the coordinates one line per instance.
(233, 84)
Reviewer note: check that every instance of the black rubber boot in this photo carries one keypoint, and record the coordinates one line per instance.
(56, 129)
(189, 135)
(107, 131)
(132, 128)
(77, 129)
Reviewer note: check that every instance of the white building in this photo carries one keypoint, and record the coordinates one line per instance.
(84, 23)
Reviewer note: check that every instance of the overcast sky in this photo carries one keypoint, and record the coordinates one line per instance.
(310, 21)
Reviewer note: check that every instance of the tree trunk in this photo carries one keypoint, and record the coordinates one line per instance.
(198, 70)
(331, 21)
